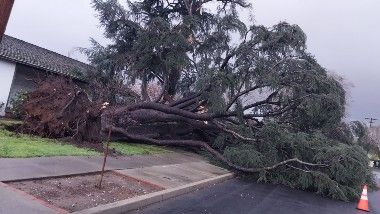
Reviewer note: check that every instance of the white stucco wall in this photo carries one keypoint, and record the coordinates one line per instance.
(7, 70)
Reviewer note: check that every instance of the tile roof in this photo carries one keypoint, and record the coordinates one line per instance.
(26, 53)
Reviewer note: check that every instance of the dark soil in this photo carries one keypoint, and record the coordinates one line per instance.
(58, 108)
(79, 192)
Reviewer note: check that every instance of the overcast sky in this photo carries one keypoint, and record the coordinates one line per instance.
(344, 35)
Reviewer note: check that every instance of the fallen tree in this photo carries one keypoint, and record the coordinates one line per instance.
(250, 96)
(59, 108)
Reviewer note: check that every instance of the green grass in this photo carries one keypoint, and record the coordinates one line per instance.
(22, 146)
(137, 149)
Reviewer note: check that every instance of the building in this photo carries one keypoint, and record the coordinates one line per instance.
(22, 64)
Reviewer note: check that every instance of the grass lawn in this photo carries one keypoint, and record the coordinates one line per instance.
(22, 146)
(137, 149)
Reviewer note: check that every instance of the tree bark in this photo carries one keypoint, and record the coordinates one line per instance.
(208, 148)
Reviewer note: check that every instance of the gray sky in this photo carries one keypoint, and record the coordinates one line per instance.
(344, 35)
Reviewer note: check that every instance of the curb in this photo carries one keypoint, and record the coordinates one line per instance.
(155, 197)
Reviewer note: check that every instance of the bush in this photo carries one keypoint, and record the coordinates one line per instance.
(16, 104)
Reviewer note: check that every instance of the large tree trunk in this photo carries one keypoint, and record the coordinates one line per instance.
(182, 123)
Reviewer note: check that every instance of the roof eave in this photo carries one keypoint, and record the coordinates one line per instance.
(43, 68)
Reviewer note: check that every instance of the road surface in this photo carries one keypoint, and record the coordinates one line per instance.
(239, 197)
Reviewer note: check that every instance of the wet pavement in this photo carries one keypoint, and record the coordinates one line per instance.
(239, 197)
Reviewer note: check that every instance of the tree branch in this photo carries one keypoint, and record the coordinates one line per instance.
(204, 145)
(243, 93)
(266, 101)
(235, 134)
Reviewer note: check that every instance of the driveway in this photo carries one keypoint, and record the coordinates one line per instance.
(239, 197)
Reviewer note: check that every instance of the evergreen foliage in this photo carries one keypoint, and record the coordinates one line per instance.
(342, 179)
(251, 96)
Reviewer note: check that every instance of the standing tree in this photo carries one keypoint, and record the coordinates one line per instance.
(251, 96)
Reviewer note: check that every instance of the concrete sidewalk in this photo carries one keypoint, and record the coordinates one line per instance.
(27, 168)
(175, 175)
(12, 201)
(171, 170)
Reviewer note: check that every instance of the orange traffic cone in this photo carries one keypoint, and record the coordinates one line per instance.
(363, 203)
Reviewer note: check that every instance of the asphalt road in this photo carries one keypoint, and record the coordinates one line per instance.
(235, 197)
